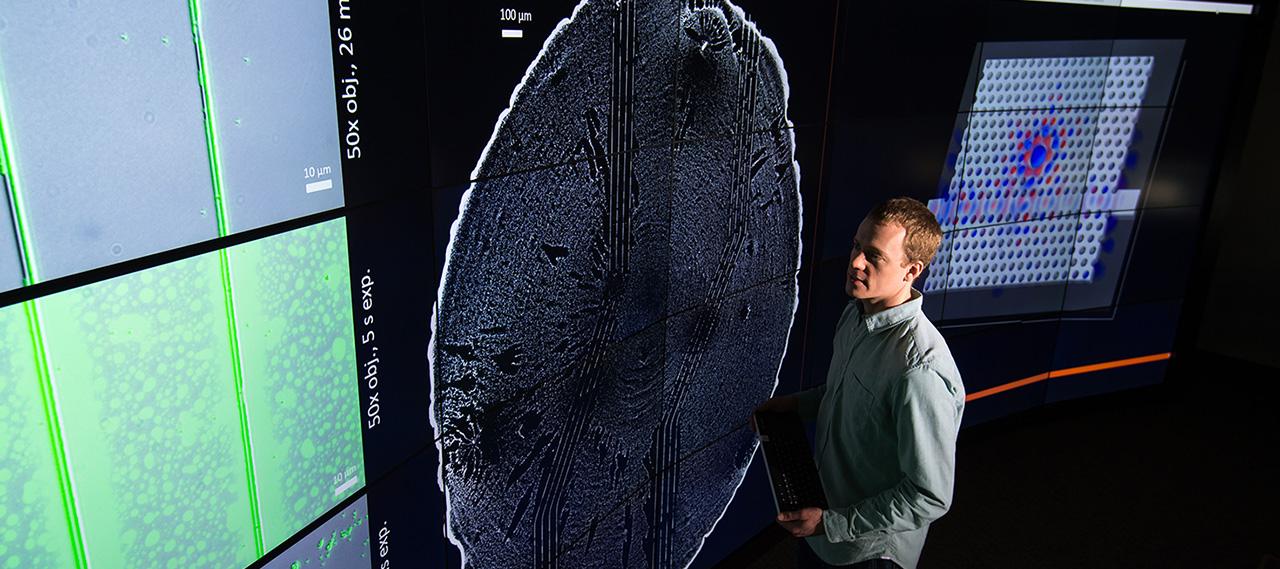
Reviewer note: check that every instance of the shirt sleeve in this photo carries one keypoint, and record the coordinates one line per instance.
(926, 416)
(807, 402)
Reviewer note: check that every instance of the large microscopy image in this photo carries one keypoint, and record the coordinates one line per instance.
(619, 287)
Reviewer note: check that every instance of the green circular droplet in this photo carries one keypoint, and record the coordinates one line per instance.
(339, 349)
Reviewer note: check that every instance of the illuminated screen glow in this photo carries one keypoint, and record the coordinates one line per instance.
(603, 362)
(1046, 181)
(214, 468)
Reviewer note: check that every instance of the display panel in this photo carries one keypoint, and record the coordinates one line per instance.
(182, 277)
(240, 449)
(246, 139)
(340, 541)
(289, 285)
(1039, 211)
(639, 282)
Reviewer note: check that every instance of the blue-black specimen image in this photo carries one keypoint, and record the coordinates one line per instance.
(619, 287)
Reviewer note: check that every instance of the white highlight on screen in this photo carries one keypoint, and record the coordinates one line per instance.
(1184, 5)
(512, 33)
(319, 186)
(1125, 202)
(345, 486)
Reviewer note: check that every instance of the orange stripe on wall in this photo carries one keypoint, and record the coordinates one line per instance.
(1066, 372)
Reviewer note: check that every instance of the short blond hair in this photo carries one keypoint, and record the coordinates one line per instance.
(924, 235)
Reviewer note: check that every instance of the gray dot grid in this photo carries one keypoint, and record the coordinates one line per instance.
(1002, 227)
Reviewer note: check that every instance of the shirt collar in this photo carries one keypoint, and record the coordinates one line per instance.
(891, 317)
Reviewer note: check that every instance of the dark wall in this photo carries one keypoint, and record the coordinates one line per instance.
(1240, 254)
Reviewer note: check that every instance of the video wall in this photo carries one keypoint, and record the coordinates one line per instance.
(483, 284)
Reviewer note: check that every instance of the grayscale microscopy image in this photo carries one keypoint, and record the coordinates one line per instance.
(82, 144)
(618, 292)
(270, 73)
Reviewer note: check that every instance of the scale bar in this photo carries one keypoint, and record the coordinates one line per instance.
(1183, 5)
(512, 33)
(319, 186)
(1216, 7)
(345, 486)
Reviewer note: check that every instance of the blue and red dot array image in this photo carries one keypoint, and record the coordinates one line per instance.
(1046, 178)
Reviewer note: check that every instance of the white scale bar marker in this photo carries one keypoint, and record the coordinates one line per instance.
(319, 186)
(512, 33)
(1216, 7)
(1185, 5)
(345, 486)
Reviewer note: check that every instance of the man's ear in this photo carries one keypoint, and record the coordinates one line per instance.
(914, 270)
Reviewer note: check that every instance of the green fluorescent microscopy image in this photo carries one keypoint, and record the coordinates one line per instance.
(195, 414)
(143, 369)
(292, 299)
(34, 528)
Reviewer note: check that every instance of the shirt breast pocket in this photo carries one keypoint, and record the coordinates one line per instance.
(861, 406)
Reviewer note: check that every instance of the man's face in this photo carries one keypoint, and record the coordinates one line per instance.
(876, 274)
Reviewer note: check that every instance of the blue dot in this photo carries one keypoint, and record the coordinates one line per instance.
(1038, 155)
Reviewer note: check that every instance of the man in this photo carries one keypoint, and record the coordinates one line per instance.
(888, 415)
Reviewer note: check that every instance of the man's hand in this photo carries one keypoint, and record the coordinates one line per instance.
(803, 523)
(780, 404)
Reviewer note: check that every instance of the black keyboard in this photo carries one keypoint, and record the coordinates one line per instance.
(792, 472)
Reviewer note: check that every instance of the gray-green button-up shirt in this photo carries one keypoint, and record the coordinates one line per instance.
(887, 420)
